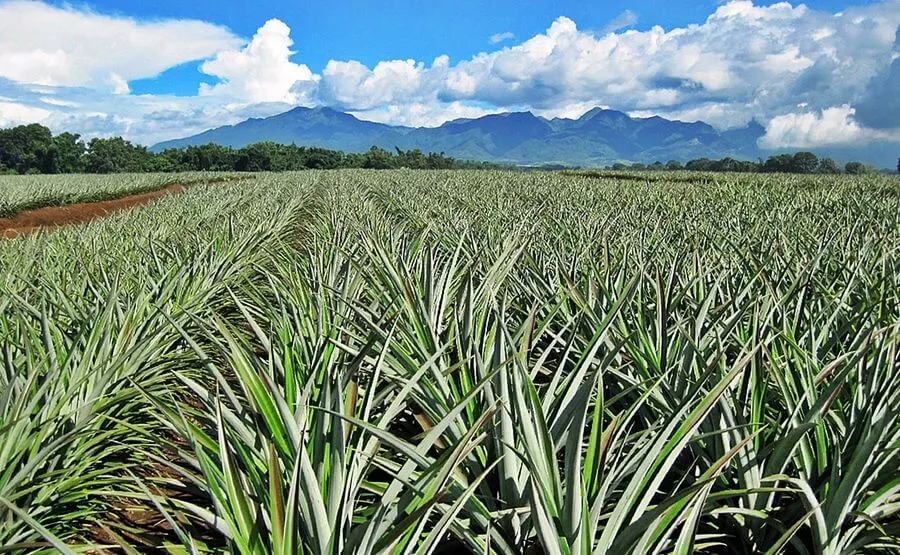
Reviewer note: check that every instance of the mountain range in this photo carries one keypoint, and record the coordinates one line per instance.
(598, 137)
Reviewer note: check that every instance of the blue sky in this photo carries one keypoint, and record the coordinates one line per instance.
(402, 29)
(356, 30)
(815, 73)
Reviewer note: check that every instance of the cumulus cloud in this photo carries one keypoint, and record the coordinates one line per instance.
(257, 78)
(354, 86)
(70, 46)
(744, 62)
(497, 38)
(262, 71)
(833, 126)
(757, 60)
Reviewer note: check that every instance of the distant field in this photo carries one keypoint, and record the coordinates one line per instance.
(463, 361)
(23, 192)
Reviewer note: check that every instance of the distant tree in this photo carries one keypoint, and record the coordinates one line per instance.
(700, 165)
(66, 154)
(413, 159)
(747, 166)
(162, 163)
(855, 168)
(898, 165)
(804, 162)
(322, 159)
(116, 155)
(353, 160)
(25, 148)
(208, 157)
(440, 161)
(257, 157)
(727, 164)
(171, 160)
(34, 149)
(674, 165)
(782, 163)
(287, 157)
(827, 165)
(378, 158)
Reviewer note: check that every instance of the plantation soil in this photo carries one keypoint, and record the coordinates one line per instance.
(57, 216)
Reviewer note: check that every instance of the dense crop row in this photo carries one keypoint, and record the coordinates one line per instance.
(358, 362)
(86, 318)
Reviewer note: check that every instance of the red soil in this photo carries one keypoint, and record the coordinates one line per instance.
(56, 216)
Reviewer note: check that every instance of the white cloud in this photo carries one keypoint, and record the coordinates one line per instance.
(145, 119)
(119, 84)
(745, 9)
(758, 59)
(262, 71)
(497, 38)
(49, 45)
(722, 115)
(13, 113)
(744, 62)
(570, 111)
(57, 102)
(833, 126)
(353, 85)
(420, 114)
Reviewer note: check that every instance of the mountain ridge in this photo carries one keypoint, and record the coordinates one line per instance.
(600, 136)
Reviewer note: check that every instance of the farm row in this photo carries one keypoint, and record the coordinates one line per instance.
(484, 362)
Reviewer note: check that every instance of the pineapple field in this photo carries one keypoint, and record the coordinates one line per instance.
(357, 361)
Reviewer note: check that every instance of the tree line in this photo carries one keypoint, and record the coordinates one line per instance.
(800, 162)
(34, 149)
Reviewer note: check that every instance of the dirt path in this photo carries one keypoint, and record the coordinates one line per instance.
(78, 213)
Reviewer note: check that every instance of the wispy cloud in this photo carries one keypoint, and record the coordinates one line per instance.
(497, 38)
(622, 21)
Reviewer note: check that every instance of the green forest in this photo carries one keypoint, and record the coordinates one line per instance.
(33, 149)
